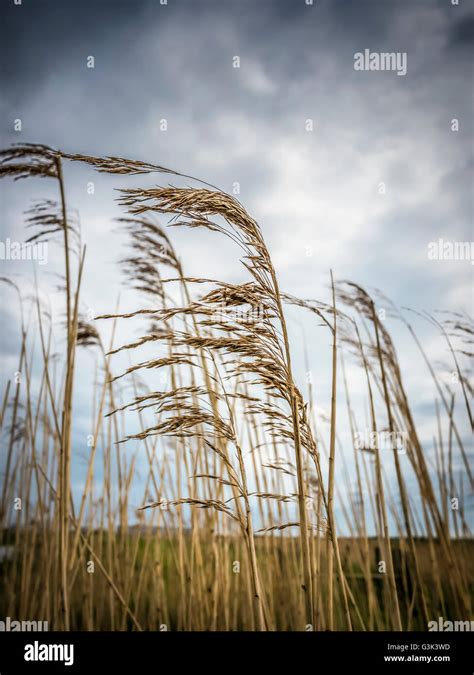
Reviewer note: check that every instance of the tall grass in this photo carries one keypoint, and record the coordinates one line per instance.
(237, 526)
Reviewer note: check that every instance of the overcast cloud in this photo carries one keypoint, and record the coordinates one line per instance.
(316, 194)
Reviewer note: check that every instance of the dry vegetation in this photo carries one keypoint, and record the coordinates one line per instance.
(237, 529)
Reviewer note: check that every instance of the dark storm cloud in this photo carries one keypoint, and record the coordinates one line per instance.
(38, 37)
(174, 62)
(178, 57)
(462, 33)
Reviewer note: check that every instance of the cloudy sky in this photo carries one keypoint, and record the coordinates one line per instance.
(354, 171)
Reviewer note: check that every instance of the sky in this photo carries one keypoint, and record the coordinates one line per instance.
(354, 171)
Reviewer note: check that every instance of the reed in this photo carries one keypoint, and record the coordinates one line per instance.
(239, 480)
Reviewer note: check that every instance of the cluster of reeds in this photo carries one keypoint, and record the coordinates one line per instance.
(237, 528)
